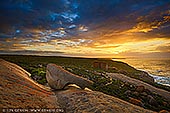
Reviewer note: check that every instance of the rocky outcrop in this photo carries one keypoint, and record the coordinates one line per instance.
(140, 89)
(164, 111)
(17, 90)
(146, 77)
(58, 78)
(82, 101)
(100, 65)
(135, 101)
(141, 86)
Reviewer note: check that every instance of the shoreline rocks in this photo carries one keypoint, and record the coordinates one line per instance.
(141, 86)
(145, 76)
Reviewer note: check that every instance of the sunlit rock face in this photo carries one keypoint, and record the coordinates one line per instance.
(18, 90)
(58, 78)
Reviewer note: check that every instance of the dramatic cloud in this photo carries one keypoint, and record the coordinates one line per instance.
(90, 28)
(165, 48)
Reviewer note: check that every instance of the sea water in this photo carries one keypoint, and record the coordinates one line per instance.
(159, 68)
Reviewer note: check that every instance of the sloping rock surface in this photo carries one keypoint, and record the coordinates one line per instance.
(17, 90)
(82, 101)
(58, 78)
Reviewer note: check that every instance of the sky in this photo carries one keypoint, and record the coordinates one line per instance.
(85, 28)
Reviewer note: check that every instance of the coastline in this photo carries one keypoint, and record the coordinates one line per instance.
(156, 68)
(158, 79)
(122, 85)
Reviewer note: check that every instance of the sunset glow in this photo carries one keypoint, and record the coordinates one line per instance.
(87, 29)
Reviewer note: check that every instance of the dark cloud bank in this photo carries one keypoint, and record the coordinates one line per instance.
(70, 19)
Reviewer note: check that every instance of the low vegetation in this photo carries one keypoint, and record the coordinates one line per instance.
(36, 65)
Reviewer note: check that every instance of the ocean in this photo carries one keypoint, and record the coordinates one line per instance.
(159, 68)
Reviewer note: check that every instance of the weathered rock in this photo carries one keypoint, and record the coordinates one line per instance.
(58, 78)
(128, 93)
(144, 94)
(145, 76)
(136, 94)
(100, 65)
(112, 68)
(123, 72)
(97, 103)
(164, 111)
(165, 103)
(18, 90)
(135, 101)
(140, 89)
(152, 101)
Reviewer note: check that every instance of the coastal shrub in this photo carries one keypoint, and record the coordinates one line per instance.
(36, 65)
(38, 74)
